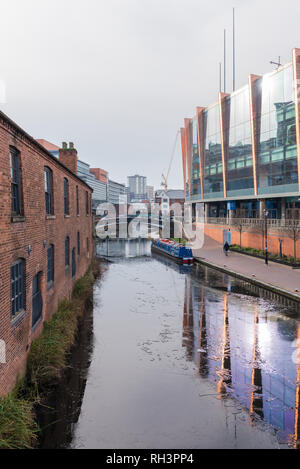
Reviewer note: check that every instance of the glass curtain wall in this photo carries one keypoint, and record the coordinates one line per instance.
(277, 158)
(196, 189)
(239, 148)
(213, 167)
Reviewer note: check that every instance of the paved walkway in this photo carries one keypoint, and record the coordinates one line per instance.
(278, 275)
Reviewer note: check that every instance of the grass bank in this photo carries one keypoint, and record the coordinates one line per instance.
(47, 359)
(18, 428)
(283, 259)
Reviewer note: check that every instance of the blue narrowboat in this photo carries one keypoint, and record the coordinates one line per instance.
(176, 251)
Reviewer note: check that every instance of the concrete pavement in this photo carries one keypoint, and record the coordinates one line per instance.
(276, 277)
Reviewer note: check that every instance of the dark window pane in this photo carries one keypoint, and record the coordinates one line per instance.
(78, 243)
(48, 191)
(67, 251)
(77, 201)
(15, 182)
(50, 271)
(87, 202)
(17, 287)
(73, 263)
(66, 196)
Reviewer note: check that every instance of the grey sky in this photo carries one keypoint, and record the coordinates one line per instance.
(118, 77)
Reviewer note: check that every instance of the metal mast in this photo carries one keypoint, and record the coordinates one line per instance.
(224, 60)
(233, 50)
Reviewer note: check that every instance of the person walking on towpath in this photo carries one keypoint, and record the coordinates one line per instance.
(226, 248)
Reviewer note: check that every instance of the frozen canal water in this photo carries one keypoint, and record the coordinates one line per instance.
(182, 359)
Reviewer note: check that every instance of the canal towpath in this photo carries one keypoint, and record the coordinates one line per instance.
(279, 278)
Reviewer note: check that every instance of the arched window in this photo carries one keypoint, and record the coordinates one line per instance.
(17, 282)
(66, 196)
(78, 243)
(37, 299)
(15, 172)
(48, 190)
(67, 251)
(88, 247)
(87, 202)
(73, 262)
(77, 200)
(50, 265)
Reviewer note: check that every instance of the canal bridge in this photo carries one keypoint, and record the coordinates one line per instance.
(141, 221)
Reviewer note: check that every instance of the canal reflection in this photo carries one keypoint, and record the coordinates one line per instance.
(297, 405)
(113, 248)
(245, 348)
(177, 357)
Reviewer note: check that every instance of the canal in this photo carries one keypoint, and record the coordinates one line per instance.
(174, 357)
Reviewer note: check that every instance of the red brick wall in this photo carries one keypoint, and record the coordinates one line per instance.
(256, 239)
(100, 174)
(35, 230)
(68, 157)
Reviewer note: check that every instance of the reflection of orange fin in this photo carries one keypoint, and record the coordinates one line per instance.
(297, 404)
(225, 372)
(256, 403)
(202, 351)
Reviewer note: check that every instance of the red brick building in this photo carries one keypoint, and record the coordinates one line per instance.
(45, 244)
(169, 198)
(100, 174)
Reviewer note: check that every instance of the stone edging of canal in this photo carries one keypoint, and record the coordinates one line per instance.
(259, 283)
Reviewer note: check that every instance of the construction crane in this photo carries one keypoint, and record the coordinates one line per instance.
(164, 182)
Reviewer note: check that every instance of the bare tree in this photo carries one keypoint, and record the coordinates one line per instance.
(259, 228)
(292, 228)
(239, 224)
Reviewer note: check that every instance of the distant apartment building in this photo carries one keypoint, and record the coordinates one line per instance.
(137, 187)
(116, 193)
(127, 192)
(99, 187)
(150, 192)
(46, 239)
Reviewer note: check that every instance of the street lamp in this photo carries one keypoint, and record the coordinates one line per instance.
(266, 213)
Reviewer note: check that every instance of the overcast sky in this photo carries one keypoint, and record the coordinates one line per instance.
(118, 77)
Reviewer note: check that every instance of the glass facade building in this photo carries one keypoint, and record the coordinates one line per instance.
(245, 149)
(239, 150)
(195, 160)
(213, 169)
(277, 156)
(99, 187)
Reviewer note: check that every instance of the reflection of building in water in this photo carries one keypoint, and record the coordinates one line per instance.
(124, 247)
(188, 320)
(202, 360)
(297, 406)
(246, 349)
(256, 403)
(225, 372)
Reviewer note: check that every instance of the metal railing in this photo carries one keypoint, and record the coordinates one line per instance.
(255, 222)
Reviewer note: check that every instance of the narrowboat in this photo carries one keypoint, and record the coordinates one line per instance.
(182, 269)
(176, 251)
